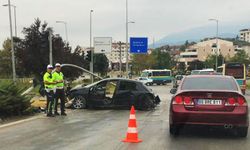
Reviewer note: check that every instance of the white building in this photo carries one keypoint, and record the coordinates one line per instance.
(245, 35)
(202, 50)
(118, 52)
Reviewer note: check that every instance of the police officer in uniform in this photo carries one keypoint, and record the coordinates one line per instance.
(49, 84)
(60, 94)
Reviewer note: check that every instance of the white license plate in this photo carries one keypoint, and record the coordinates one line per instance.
(209, 102)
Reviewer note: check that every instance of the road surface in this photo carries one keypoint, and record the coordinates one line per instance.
(104, 130)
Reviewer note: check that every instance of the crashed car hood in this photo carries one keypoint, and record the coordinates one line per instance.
(79, 88)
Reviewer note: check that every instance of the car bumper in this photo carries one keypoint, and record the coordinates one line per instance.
(238, 117)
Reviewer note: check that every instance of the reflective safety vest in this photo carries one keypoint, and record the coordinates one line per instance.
(58, 76)
(48, 78)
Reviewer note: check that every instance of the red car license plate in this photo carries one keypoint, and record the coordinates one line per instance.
(209, 102)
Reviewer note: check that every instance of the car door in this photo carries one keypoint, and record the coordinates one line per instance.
(97, 93)
(102, 93)
(124, 95)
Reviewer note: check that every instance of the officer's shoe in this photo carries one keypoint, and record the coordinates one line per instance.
(50, 115)
(56, 114)
(63, 114)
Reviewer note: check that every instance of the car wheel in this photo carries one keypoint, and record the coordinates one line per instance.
(79, 102)
(242, 131)
(147, 84)
(174, 130)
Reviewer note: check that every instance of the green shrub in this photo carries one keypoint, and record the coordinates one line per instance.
(11, 101)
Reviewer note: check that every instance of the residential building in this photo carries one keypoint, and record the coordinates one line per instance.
(118, 52)
(202, 50)
(245, 35)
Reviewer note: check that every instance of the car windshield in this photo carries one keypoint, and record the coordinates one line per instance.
(209, 83)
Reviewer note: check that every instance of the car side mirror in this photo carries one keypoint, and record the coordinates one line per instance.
(173, 90)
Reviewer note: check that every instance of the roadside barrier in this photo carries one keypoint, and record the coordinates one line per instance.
(132, 133)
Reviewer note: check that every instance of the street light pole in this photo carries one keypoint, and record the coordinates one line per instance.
(216, 52)
(126, 38)
(66, 29)
(50, 48)
(14, 16)
(127, 22)
(12, 44)
(91, 50)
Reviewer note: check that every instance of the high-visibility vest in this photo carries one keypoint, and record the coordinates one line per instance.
(48, 78)
(58, 76)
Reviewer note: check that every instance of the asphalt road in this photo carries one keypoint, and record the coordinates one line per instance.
(104, 130)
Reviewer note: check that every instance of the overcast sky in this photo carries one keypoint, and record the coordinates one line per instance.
(153, 18)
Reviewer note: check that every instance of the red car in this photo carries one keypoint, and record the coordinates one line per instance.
(203, 100)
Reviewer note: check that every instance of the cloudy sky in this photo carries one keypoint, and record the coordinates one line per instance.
(153, 18)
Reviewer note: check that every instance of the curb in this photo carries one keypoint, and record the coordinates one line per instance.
(20, 121)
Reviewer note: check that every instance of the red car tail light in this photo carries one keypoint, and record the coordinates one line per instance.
(231, 101)
(178, 100)
(241, 101)
(188, 101)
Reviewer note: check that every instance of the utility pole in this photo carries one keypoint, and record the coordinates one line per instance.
(50, 48)
(12, 45)
(91, 50)
(216, 52)
(120, 57)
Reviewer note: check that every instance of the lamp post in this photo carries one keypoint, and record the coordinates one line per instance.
(91, 66)
(66, 29)
(14, 16)
(216, 52)
(127, 22)
(12, 45)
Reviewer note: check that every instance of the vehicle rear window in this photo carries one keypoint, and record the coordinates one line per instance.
(237, 73)
(210, 83)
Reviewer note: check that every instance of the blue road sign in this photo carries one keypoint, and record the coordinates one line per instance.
(138, 45)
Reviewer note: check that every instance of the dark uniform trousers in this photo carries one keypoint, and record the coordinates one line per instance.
(60, 94)
(50, 101)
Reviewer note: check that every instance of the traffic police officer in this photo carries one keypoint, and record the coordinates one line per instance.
(60, 94)
(49, 84)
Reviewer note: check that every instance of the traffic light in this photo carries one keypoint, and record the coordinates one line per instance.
(88, 56)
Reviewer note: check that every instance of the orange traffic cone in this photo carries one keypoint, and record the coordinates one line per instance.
(132, 134)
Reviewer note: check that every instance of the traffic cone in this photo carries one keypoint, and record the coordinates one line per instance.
(132, 134)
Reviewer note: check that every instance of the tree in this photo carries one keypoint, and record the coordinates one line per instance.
(101, 64)
(163, 59)
(33, 52)
(241, 57)
(211, 60)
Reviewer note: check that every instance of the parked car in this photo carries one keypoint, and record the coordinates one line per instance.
(209, 101)
(114, 93)
(146, 81)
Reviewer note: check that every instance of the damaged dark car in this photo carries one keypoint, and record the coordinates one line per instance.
(111, 93)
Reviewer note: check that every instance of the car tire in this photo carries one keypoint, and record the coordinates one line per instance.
(242, 131)
(79, 102)
(174, 130)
